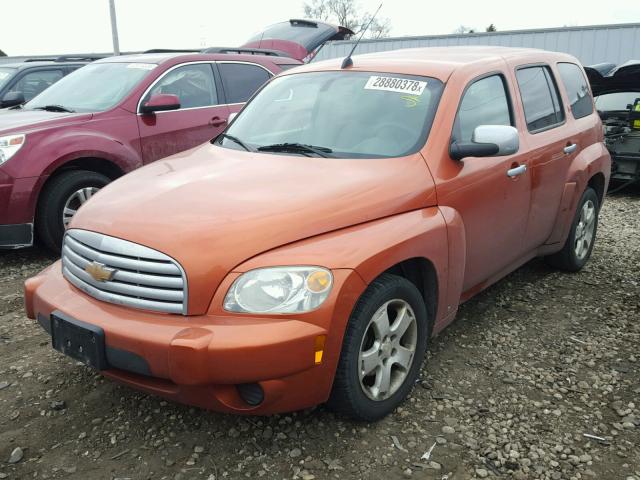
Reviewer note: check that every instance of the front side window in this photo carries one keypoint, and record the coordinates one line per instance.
(33, 83)
(348, 114)
(6, 74)
(485, 102)
(577, 89)
(242, 80)
(540, 99)
(93, 88)
(193, 85)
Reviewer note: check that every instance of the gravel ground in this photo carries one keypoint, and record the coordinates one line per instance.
(538, 378)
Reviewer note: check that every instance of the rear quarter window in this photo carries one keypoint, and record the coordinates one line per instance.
(577, 89)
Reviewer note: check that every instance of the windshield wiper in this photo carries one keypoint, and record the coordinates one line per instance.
(297, 147)
(55, 108)
(235, 140)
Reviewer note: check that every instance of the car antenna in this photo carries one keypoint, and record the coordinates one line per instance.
(347, 62)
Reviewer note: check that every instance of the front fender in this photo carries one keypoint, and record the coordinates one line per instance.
(91, 145)
(373, 247)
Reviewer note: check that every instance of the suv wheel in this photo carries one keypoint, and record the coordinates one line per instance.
(582, 236)
(382, 351)
(60, 200)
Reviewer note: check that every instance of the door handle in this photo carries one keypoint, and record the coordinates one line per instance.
(217, 122)
(514, 172)
(570, 148)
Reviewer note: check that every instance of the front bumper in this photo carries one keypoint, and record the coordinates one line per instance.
(625, 167)
(17, 210)
(204, 360)
(16, 236)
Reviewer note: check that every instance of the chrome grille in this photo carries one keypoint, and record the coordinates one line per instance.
(142, 277)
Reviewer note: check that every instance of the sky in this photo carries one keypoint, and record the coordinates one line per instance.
(75, 26)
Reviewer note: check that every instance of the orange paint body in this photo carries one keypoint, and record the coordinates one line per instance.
(220, 212)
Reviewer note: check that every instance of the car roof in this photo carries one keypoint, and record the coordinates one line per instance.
(177, 57)
(437, 62)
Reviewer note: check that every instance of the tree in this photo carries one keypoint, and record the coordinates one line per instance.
(2, 54)
(347, 14)
(491, 28)
(462, 29)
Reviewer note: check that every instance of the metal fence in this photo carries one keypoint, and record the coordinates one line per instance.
(592, 44)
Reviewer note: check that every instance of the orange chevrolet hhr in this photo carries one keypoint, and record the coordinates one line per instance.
(308, 253)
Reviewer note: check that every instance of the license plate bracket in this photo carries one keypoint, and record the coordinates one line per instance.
(79, 340)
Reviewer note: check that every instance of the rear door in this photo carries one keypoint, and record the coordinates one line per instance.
(240, 81)
(553, 145)
(201, 116)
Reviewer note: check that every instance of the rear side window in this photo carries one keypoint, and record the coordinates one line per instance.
(32, 83)
(577, 89)
(241, 80)
(485, 102)
(540, 99)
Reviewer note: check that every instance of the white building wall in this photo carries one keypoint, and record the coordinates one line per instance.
(592, 44)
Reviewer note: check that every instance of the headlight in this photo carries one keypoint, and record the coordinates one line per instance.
(9, 145)
(279, 290)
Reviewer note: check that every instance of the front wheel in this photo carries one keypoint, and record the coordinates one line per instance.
(382, 351)
(582, 236)
(60, 200)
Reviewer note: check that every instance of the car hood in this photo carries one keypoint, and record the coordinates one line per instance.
(213, 208)
(607, 78)
(25, 121)
(297, 38)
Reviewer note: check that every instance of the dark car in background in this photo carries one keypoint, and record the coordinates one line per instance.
(108, 118)
(616, 90)
(21, 81)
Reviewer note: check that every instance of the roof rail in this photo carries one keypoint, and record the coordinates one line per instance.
(171, 50)
(246, 51)
(81, 57)
(43, 59)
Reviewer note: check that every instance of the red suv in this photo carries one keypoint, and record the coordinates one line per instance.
(106, 119)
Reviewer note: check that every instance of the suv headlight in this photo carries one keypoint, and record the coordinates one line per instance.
(9, 145)
(279, 290)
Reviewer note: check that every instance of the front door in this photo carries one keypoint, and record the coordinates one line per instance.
(490, 193)
(199, 118)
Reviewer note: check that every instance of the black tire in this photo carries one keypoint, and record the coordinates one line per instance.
(347, 395)
(567, 258)
(49, 224)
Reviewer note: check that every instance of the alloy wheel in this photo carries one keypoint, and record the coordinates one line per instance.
(387, 350)
(585, 229)
(75, 201)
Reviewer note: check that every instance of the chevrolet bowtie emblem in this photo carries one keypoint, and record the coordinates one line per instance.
(100, 272)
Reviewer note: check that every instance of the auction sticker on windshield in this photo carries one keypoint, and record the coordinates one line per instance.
(394, 84)
(142, 66)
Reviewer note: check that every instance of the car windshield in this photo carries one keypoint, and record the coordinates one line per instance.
(93, 88)
(616, 101)
(340, 114)
(5, 75)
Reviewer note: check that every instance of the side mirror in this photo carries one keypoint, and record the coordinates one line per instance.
(12, 99)
(161, 102)
(487, 141)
